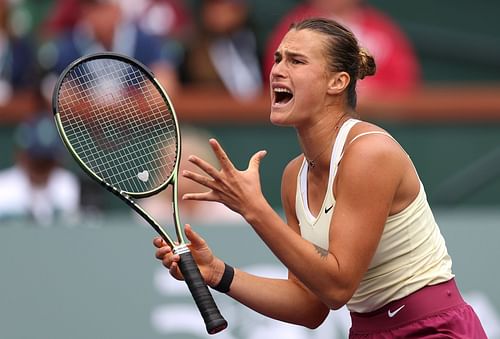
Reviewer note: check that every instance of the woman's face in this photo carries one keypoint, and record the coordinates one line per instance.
(299, 78)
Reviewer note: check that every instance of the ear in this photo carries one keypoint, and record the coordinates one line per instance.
(338, 82)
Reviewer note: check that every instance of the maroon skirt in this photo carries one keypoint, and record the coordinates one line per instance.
(436, 311)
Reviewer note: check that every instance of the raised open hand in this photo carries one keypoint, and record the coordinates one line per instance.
(238, 190)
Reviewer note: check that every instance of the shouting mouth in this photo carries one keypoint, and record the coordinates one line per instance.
(282, 96)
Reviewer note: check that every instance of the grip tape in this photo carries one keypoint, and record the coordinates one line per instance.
(214, 321)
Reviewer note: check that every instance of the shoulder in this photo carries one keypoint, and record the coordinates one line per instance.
(292, 169)
(371, 148)
(13, 183)
(11, 174)
(64, 177)
(289, 184)
(365, 134)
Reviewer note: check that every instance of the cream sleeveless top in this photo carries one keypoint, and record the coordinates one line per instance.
(411, 253)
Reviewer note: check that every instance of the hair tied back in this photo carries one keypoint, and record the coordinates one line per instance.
(366, 64)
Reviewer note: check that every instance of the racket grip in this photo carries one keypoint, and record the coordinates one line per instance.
(214, 321)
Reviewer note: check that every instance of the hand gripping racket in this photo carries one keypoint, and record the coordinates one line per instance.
(120, 126)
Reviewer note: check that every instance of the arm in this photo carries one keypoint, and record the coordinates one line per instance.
(282, 299)
(364, 192)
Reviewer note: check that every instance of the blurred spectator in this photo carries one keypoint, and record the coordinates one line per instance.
(63, 16)
(102, 26)
(165, 18)
(398, 70)
(224, 54)
(36, 187)
(17, 70)
(168, 20)
(194, 142)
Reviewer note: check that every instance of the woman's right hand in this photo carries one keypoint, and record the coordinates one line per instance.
(211, 267)
(238, 190)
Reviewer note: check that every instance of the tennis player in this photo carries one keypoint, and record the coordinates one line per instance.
(359, 228)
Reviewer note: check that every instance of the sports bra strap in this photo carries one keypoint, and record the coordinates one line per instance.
(371, 132)
(377, 132)
(362, 135)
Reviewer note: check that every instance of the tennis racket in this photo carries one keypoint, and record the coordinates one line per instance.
(120, 126)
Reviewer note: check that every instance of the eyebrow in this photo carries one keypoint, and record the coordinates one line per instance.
(289, 54)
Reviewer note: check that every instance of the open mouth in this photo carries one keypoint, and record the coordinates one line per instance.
(282, 95)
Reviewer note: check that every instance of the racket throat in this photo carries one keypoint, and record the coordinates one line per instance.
(181, 249)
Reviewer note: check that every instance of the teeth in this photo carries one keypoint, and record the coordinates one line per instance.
(283, 90)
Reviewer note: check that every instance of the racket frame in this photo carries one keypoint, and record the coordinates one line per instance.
(125, 195)
(213, 319)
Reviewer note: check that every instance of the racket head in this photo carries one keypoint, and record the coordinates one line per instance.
(118, 123)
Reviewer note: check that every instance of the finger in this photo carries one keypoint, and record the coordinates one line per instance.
(197, 242)
(162, 252)
(204, 165)
(175, 271)
(159, 242)
(169, 259)
(206, 196)
(200, 179)
(255, 160)
(224, 160)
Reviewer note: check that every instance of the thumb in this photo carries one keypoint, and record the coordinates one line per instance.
(197, 242)
(255, 160)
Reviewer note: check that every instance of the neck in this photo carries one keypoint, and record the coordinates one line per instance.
(317, 141)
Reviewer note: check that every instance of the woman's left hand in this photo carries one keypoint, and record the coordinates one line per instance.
(238, 190)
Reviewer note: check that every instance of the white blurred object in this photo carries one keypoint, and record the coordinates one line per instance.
(486, 312)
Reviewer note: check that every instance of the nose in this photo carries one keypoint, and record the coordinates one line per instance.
(277, 71)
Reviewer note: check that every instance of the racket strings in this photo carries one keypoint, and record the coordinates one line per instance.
(119, 124)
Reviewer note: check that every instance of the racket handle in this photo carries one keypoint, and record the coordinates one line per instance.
(214, 321)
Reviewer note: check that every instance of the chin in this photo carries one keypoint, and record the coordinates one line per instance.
(279, 118)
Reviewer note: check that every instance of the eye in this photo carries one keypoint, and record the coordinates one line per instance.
(296, 61)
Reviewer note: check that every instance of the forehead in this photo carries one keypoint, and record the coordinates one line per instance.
(304, 42)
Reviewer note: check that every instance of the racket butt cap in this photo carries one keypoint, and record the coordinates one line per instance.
(217, 325)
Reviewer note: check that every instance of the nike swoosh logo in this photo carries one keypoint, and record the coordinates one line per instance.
(327, 209)
(392, 314)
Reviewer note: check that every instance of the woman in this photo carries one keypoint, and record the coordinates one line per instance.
(360, 231)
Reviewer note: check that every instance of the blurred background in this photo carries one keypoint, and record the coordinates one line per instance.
(76, 263)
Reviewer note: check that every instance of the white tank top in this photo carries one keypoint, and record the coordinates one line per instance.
(411, 253)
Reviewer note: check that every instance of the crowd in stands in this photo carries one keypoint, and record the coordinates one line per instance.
(211, 45)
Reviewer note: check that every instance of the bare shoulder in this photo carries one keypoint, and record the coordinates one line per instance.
(370, 140)
(289, 178)
(289, 189)
(365, 127)
(293, 167)
(371, 149)
(374, 161)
